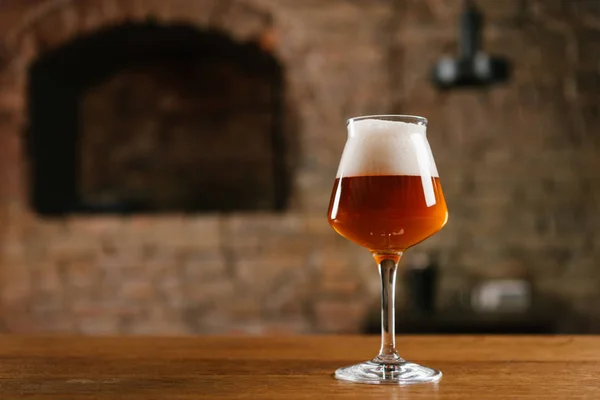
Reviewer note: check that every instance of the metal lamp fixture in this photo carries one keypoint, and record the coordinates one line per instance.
(472, 67)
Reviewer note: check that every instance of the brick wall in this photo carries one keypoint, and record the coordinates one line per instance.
(519, 163)
(519, 166)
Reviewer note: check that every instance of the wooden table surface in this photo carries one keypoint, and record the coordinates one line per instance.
(501, 367)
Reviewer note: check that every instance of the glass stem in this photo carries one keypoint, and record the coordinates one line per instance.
(387, 270)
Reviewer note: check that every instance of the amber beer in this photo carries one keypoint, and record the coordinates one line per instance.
(387, 195)
(387, 213)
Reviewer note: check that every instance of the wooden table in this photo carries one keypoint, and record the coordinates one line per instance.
(560, 367)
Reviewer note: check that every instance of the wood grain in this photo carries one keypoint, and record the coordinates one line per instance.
(499, 367)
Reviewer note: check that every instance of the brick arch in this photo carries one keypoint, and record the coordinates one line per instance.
(54, 23)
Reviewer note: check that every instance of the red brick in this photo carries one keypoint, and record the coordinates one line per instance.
(339, 316)
(243, 21)
(138, 291)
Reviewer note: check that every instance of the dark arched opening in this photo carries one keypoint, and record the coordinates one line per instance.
(149, 118)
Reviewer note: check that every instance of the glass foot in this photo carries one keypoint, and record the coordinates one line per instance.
(401, 373)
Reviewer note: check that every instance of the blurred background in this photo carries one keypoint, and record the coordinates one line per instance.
(166, 166)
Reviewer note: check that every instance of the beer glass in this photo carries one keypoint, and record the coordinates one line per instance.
(387, 197)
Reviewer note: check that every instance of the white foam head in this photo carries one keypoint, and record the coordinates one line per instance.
(380, 147)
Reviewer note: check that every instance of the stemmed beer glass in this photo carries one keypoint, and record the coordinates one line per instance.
(387, 197)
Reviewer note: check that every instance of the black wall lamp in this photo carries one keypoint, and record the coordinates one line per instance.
(472, 67)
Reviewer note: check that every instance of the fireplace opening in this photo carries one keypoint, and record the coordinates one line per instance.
(149, 118)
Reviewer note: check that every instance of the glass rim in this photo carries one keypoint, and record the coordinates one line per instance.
(410, 119)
